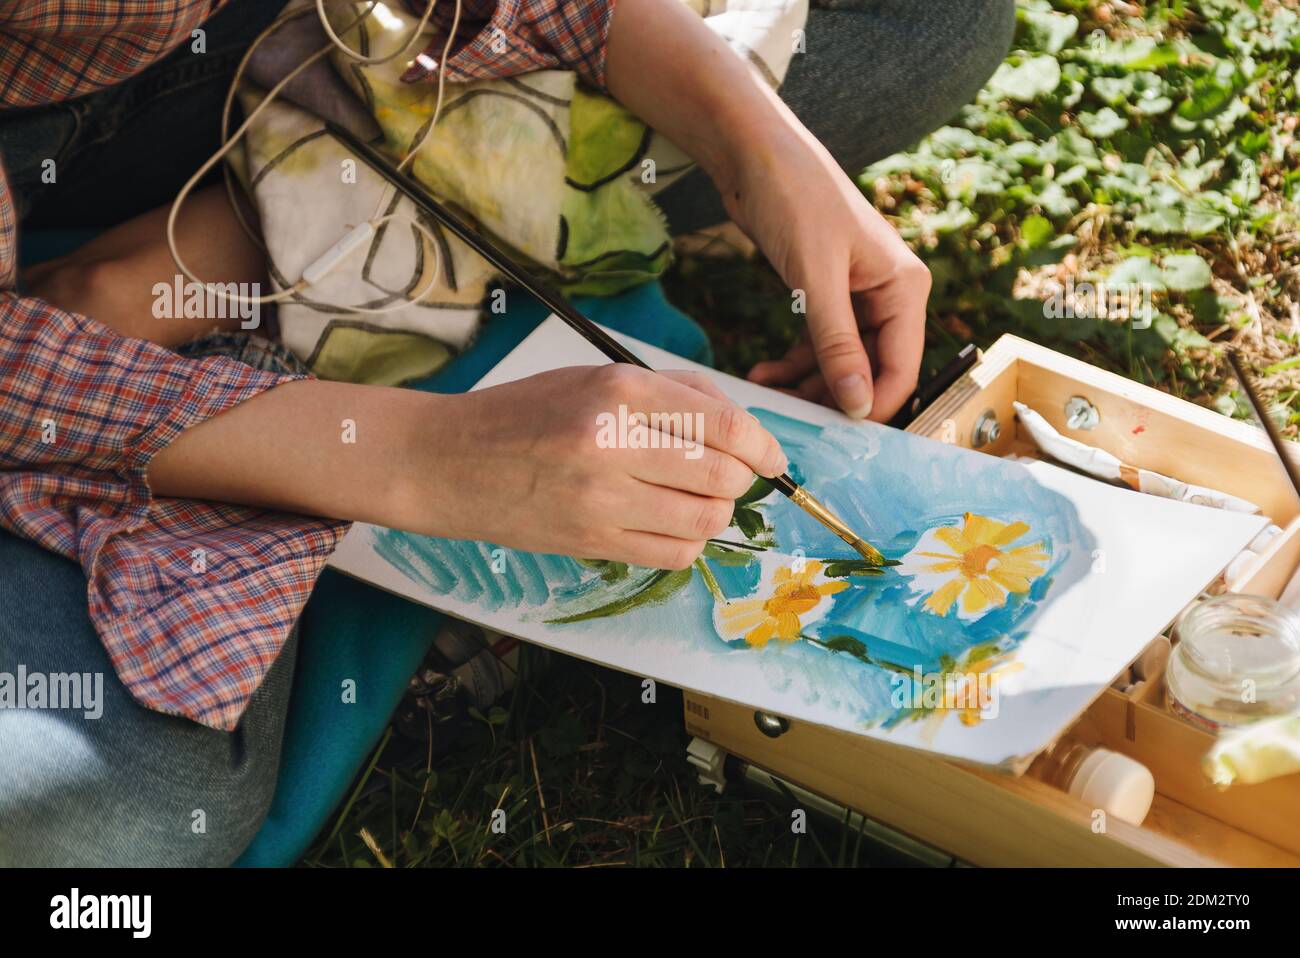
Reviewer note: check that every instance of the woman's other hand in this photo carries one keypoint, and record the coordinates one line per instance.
(864, 291)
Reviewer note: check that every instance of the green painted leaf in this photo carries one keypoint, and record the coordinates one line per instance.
(847, 643)
(761, 489)
(749, 522)
(840, 568)
(727, 555)
(656, 589)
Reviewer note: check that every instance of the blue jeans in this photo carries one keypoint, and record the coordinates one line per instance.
(134, 787)
(131, 787)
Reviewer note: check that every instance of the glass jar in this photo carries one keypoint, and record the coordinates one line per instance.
(1237, 660)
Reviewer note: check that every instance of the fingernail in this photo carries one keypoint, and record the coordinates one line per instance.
(782, 464)
(854, 395)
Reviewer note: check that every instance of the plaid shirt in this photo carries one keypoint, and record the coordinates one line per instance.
(506, 37)
(193, 600)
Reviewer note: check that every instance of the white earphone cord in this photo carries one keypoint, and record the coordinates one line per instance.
(358, 235)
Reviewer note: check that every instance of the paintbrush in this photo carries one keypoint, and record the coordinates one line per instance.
(1270, 427)
(556, 303)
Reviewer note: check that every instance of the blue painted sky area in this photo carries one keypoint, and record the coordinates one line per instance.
(890, 487)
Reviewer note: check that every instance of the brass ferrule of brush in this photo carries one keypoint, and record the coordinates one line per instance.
(804, 500)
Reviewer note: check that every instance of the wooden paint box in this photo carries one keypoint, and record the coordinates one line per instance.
(986, 818)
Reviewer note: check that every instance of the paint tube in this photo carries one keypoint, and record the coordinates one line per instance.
(1235, 573)
(1101, 464)
(1100, 778)
(1231, 576)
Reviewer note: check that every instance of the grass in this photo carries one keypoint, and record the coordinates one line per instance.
(586, 773)
(1120, 142)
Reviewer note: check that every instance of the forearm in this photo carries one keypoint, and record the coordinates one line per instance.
(364, 453)
(666, 66)
(87, 415)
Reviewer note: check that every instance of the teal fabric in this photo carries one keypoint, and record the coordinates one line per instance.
(353, 631)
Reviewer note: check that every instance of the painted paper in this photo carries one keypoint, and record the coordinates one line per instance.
(1020, 590)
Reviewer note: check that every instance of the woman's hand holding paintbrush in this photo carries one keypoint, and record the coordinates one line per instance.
(541, 476)
(524, 464)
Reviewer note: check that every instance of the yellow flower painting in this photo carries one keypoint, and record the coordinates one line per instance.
(974, 566)
(791, 599)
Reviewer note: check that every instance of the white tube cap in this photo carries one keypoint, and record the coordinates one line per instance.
(1116, 783)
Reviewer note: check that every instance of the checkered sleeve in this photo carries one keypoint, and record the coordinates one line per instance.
(8, 233)
(500, 38)
(58, 49)
(193, 600)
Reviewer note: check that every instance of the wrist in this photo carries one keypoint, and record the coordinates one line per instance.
(683, 79)
(425, 461)
(746, 139)
(763, 149)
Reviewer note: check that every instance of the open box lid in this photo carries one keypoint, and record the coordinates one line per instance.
(1023, 589)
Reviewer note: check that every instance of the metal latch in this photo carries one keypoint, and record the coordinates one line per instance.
(773, 726)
